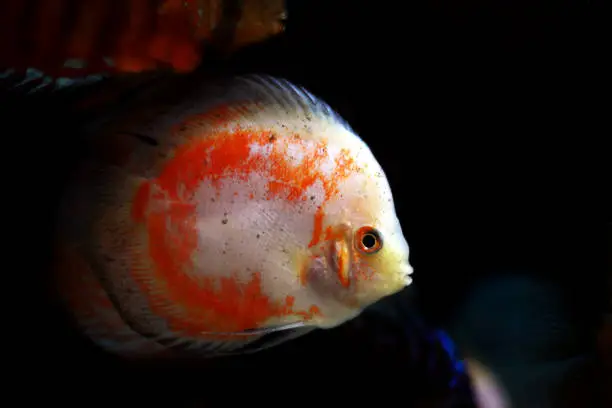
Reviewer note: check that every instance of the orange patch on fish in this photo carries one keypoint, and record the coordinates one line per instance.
(318, 227)
(312, 311)
(342, 266)
(224, 304)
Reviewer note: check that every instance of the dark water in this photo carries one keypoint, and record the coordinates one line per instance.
(488, 122)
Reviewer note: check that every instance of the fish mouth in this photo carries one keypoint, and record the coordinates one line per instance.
(405, 271)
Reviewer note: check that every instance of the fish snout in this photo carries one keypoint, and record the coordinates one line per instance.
(405, 271)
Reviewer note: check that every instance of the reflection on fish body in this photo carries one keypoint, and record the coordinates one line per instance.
(55, 43)
(255, 210)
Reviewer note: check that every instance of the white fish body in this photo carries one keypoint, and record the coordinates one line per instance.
(249, 208)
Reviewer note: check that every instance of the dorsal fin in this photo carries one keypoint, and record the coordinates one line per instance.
(286, 96)
(259, 100)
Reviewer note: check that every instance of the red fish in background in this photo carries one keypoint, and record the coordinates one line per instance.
(51, 39)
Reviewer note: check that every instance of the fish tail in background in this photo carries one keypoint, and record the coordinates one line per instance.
(254, 21)
(523, 345)
(222, 25)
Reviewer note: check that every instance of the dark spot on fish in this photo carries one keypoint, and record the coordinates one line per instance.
(212, 199)
(224, 221)
(272, 138)
(223, 252)
(312, 197)
(143, 138)
(258, 236)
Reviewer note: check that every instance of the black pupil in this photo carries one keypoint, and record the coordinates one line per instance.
(368, 241)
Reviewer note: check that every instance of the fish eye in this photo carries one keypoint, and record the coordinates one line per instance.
(368, 240)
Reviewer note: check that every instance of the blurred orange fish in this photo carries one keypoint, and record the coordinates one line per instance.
(70, 38)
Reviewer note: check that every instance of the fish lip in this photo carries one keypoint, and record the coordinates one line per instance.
(407, 270)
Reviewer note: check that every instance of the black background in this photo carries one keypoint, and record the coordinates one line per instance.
(488, 118)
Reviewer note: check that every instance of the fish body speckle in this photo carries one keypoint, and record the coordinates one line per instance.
(247, 224)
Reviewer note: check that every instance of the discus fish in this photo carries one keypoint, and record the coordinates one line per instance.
(225, 218)
(55, 43)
